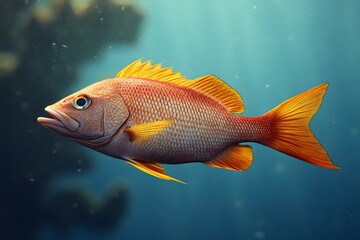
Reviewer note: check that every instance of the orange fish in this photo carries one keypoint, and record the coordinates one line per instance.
(149, 115)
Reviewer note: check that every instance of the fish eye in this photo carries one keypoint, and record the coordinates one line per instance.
(82, 102)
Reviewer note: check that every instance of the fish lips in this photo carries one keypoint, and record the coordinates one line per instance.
(60, 123)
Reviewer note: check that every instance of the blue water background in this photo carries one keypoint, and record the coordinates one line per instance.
(268, 51)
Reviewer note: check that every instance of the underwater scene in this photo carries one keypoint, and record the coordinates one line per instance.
(241, 154)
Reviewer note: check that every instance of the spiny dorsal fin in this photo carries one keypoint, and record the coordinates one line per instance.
(209, 85)
(145, 70)
(143, 132)
(154, 169)
(237, 158)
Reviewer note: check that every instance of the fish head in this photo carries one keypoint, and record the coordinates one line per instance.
(91, 116)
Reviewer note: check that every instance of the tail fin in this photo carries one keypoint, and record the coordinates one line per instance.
(289, 128)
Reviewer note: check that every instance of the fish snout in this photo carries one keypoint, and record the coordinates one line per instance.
(60, 121)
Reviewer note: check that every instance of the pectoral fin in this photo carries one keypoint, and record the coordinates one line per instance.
(143, 132)
(237, 158)
(154, 169)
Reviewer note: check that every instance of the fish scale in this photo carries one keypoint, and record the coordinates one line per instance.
(200, 128)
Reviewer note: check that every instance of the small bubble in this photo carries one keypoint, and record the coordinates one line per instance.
(110, 46)
(239, 204)
(291, 38)
(53, 151)
(64, 46)
(58, 145)
(101, 19)
(259, 235)
(123, 8)
(267, 85)
(354, 130)
(279, 168)
(32, 179)
(24, 105)
(54, 44)
(91, 211)
(99, 11)
(79, 170)
(29, 130)
(254, 7)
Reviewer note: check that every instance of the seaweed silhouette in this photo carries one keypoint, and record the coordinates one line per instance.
(34, 69)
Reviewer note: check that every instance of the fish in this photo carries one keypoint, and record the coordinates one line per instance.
(148, 115)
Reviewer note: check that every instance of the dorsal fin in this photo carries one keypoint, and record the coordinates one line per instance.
(145, 70)
(208, 85)
(217, 89)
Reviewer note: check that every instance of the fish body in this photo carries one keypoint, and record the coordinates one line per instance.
(199, 128)
(149, 115)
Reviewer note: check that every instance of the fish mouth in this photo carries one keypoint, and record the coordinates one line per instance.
(66, 126)
(61, 122)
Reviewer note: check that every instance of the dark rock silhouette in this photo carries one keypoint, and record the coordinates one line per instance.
(79, 206)
(40, 53)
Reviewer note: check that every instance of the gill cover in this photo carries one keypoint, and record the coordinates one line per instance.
(114, 114)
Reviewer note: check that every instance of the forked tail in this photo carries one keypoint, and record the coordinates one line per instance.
(290, 132)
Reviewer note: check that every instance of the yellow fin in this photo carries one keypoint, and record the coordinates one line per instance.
(237, 158)
(209, 85)
(290, 130)
(145, 70)
(143, 132)
(217, 89)
(154, 169)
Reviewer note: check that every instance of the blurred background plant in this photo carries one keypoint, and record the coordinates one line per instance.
(42, 44)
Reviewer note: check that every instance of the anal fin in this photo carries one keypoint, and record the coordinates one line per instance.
(237, 158)
(154, 169)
